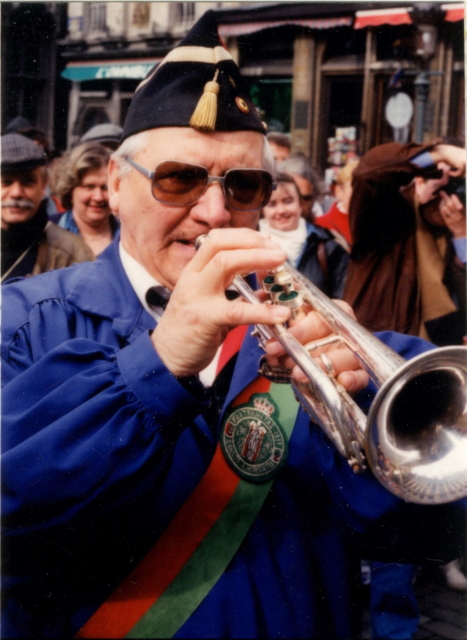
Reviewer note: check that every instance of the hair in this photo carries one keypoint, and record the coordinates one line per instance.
(285, 178)
(345, 174)
(139, 141)
(281, 139)
(76, 164)
(299, 164)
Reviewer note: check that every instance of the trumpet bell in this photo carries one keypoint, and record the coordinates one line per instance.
(416, 440)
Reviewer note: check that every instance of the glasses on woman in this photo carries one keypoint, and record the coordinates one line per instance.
(181, 184)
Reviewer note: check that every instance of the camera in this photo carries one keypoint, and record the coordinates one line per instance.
(455, 186)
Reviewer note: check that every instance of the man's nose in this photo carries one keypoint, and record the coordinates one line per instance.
(15, 190)
(211, 208)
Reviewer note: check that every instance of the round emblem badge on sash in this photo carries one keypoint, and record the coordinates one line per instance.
(254, 445)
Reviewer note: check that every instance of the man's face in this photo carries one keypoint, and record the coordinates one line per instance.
(428, 189)
(306, 195)
(279, 152)
(159, 236)
(22, 194)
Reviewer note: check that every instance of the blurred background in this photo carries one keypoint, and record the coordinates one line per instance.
(338, 78)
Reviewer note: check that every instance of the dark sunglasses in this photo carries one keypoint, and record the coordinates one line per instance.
(181, 184)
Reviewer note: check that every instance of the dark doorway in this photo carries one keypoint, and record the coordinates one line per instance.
(341, 106)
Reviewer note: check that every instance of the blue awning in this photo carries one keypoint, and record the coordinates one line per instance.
(109, 69)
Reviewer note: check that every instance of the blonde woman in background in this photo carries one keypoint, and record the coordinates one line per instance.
(83, 191)
(337, 218)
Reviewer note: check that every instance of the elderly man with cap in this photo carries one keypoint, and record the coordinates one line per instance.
(31, 243)
(154, 485)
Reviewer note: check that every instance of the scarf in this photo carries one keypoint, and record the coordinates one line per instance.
(292, 242)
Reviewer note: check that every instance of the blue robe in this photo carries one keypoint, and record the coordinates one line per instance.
(102, 445)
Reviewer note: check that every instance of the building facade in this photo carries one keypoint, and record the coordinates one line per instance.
(339, 77)
(109, 49)
(342, 77)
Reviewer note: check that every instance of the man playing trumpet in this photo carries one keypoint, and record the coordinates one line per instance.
(124, 515)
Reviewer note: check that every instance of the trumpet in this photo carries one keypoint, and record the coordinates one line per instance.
(414, 438)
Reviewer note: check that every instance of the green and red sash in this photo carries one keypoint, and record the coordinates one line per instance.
(163, 591)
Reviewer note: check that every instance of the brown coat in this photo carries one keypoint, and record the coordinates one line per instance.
(391, 282)
(59, 248)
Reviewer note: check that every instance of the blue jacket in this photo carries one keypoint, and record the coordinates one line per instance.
(336, 261)
(102, 445)
(66, 221)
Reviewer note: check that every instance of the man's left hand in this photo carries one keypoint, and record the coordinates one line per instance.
(346, 368)
(453, 212)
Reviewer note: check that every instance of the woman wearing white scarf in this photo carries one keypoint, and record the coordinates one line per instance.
(312, 250)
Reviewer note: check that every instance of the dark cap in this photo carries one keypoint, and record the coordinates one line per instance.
(197, 85)
(17, 123)
(20, 154)
(103, 133)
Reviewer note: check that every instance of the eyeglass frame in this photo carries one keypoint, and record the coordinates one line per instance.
(221, 179)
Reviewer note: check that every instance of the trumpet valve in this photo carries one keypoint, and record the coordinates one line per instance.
(275, 291)
(275, 270)
(285, 280)
(268, 282)
(294, 302)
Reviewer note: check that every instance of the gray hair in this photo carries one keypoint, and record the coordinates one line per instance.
(299, 164)
(140, 141)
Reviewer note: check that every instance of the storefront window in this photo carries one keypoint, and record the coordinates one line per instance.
(273, 99)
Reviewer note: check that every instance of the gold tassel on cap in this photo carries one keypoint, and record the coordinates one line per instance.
(205, 114)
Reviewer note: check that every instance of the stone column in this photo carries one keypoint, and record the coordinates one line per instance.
(302, 94)
(72, 112)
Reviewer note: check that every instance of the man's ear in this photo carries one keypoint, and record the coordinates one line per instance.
(114, 186)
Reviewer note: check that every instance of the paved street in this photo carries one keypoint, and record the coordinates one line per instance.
(443, 612)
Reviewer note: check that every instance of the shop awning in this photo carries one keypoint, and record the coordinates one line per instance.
(454, 12)
(245, 28)
(109, 69)
(401, 15)
(378, 17)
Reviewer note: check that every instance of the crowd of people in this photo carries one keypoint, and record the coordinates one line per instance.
(153, 484)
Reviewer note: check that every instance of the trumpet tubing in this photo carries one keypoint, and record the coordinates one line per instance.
(414, 438)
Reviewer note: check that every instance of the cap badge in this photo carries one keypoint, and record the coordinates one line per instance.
(242, 105)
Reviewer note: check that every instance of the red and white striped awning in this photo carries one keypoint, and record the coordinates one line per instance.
(401, 15)
(245, 28)
(454, 12)
(377, 17)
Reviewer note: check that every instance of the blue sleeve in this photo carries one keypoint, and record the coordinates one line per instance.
(81, 419)
(460, 246)
(423, 160)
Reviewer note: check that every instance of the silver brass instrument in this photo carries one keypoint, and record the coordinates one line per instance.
(414, 438)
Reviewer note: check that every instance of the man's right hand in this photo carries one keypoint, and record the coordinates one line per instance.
(198, 315)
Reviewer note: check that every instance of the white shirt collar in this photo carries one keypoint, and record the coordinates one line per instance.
(139, 279)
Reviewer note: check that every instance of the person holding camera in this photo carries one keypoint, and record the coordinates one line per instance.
(407, 265)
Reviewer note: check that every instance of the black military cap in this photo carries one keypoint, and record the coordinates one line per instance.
(20, 154)
(197, 85)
